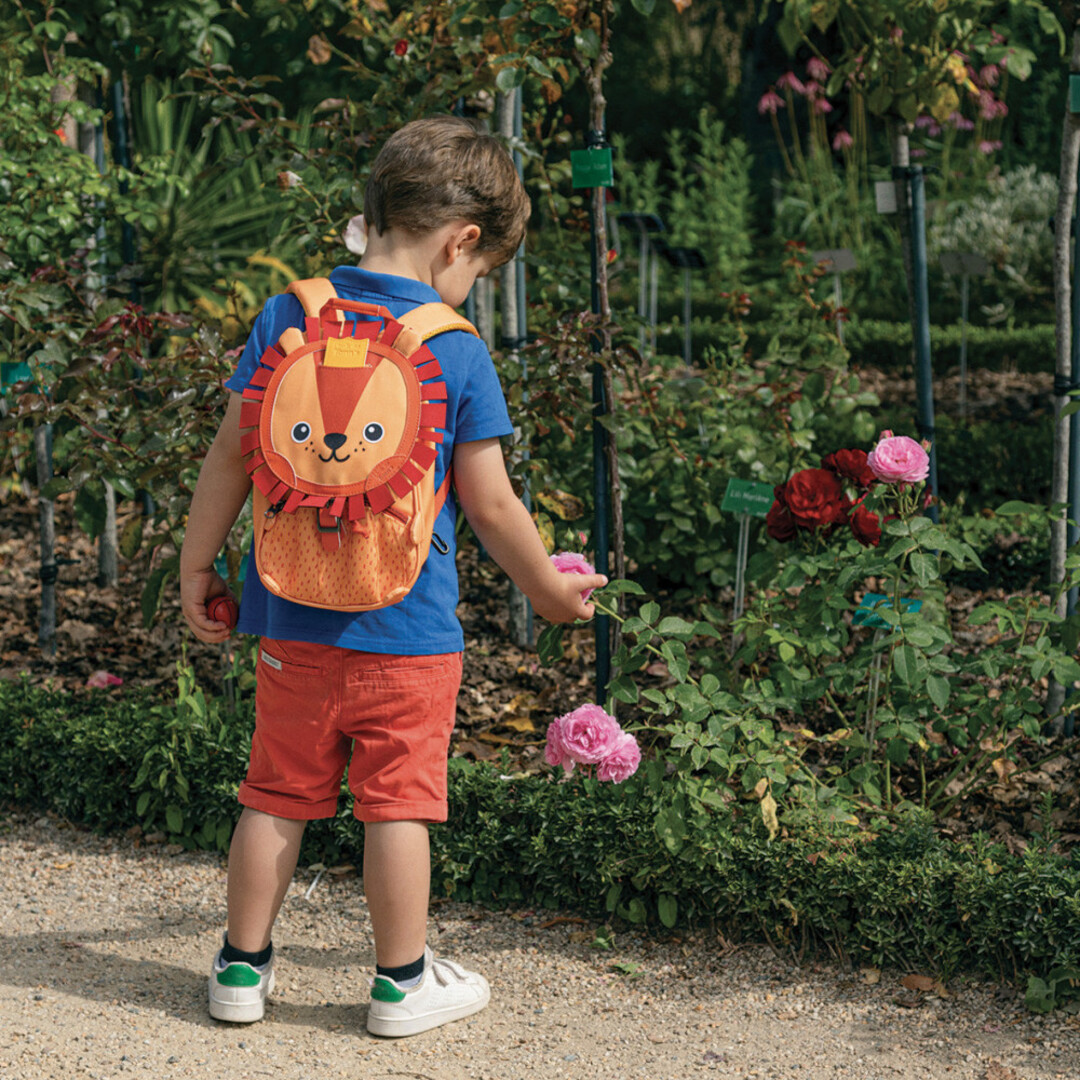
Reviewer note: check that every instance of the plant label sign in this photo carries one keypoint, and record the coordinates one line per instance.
(592, 168)
(747, 497)
(864, 613)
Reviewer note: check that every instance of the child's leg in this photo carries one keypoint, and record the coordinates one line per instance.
(397, 880)
(262, 858)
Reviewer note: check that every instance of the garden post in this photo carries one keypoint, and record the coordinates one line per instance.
(47, 521)
(596, 140)
(1073, 529)
(511, 295)
(924, 384)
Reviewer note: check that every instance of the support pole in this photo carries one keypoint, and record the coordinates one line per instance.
(1072, 534)
(601, 482)
(965, 289)
(687, 347)
(924, 384)
(47, 522)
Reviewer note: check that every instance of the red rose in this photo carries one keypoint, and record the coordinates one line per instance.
(779, 523)
(401, 47)
(865, 525)
(850, 464)
(816, 499)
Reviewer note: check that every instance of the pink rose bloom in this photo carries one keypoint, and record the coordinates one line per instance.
(623, 760)
(587, 735)
(898, 459)
(570, 562)
(554, 754)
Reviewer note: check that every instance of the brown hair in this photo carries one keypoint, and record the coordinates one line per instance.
(442, 169)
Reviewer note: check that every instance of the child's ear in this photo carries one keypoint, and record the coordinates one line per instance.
(462, 241)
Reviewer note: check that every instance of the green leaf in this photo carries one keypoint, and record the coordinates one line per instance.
(1015, 506)
(90, 509)
(509, 79)
(924, 567)
(58, 485)
(587, 42)
(623, 688)
(131, 537)
(897, 750)
(787, 651)
(671, 828)
(174, 818)
(143, 802)
(151, 594)
(668, 909)
(549, 645)
(644, 7)
(650, 612)
(509, 10)
(672, 624)
(907, 664)
(938, 688)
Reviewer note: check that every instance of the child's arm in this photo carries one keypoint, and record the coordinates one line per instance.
(219, 497)
(507, 531)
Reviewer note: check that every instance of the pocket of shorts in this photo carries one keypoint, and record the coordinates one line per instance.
(279, 657)
(411, 671)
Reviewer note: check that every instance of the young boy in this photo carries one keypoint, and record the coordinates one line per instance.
(443, 207)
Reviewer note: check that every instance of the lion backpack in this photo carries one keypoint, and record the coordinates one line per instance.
(339, 431)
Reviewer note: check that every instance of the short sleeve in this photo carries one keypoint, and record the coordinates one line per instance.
(481, 406)
(279, 313)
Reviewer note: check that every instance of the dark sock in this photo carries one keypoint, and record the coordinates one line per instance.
(256, 959)
(403, 973)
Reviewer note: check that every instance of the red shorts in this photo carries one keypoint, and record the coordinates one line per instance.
(314, 704)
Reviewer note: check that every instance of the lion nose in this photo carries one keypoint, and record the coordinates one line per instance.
(334, 440)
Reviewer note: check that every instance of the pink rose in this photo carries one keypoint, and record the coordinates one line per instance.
(622, 761)
(587, 735)
(570, 562)
(554, 753)
(898, 459)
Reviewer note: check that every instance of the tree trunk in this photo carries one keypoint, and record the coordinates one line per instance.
(1063, 247)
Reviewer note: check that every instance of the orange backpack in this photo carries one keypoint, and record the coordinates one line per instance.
(339, 434)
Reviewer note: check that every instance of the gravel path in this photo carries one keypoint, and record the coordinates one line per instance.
(106, 944)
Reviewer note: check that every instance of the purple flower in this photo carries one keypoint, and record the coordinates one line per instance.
(817, 69)
(842, 140)
(990, 75)
(822, 106)
(770, 102)
(790, 81)
(960, 122)
(988, 146)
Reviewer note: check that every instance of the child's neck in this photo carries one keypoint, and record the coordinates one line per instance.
(408, 257)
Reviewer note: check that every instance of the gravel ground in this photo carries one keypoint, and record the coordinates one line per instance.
(107, 943)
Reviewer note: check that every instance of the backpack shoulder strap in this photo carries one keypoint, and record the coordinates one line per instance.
(427, 320)
(313, 293)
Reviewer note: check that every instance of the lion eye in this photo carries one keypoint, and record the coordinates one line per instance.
(301, 432)
(373, 433)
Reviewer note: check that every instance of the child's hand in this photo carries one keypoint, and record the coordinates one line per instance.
(197, 588)
(562, 602)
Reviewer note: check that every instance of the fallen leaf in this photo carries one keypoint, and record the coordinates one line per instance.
(1003, 767)
(342, 870)
(918, 982)
(318, 50)
(871, 976)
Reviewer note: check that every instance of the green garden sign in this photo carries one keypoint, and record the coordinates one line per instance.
(747, 497)
(592, 168)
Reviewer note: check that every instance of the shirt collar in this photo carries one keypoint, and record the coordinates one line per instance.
(352, 279)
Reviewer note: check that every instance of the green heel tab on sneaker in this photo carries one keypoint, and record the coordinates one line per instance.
(238, 975)
(383, 989)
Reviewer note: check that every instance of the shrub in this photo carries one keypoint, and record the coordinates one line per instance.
(900, 895)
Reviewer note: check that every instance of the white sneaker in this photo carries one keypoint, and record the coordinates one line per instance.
(446, 992)
(238, 991)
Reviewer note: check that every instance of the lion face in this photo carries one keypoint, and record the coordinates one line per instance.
(334, 425)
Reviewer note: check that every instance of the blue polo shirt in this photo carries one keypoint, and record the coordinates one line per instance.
(425, 622)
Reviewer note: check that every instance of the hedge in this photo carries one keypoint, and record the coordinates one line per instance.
(903, 897)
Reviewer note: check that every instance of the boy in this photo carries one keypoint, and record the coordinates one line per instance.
(443, 207)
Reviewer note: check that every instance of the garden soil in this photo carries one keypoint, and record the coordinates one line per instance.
(106, 943)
